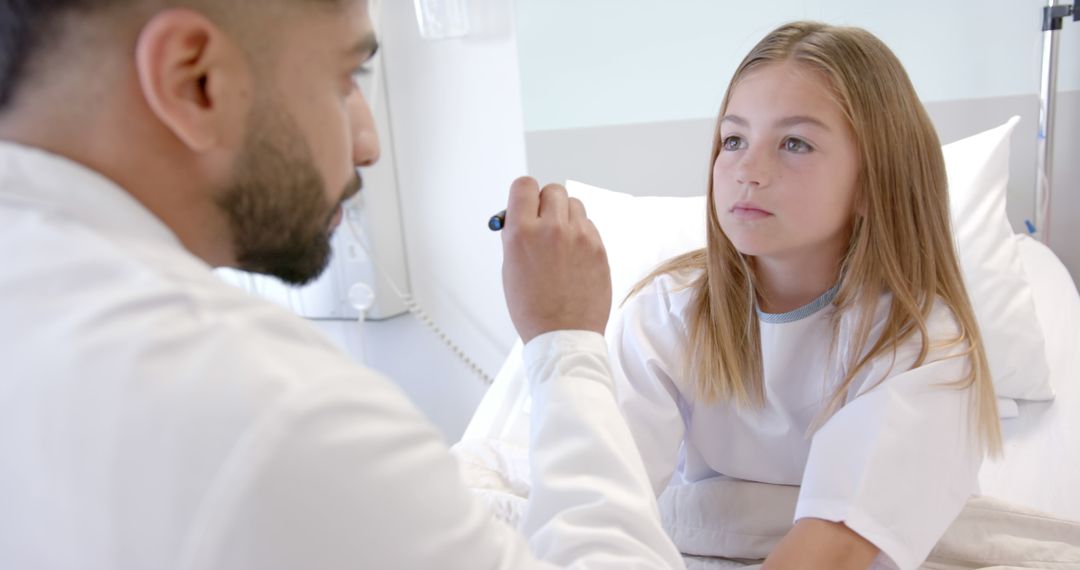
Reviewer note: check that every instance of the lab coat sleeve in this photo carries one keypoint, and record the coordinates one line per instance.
(347, 475)
(646, 344)
(898, 462)
(591, 499)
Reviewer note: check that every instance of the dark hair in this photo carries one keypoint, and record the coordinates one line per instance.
(26, 26)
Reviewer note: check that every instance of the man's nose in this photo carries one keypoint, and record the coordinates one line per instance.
(365, 138)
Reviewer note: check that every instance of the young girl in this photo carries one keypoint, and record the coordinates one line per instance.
(823, 338)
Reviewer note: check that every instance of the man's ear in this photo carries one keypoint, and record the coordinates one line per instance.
(193, 78)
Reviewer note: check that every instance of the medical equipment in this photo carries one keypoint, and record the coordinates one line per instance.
(442, 19)
(410, 304)
(1053, 14)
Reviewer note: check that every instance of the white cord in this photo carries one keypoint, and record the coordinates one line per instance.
(413, 307)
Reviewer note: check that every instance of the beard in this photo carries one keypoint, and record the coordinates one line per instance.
(276, 206)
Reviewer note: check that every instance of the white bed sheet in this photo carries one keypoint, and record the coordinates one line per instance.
(1041, 466)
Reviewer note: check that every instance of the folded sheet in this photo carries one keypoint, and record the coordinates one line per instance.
(728, 523)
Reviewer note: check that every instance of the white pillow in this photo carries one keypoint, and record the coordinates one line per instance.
(978, 170)
(641, 232)
(1057, 306)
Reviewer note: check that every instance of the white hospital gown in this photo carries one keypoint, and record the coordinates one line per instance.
(896, 464)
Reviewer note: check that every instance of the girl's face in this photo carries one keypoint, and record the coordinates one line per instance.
(784, 182)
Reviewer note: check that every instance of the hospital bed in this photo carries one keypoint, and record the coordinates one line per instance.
(1032, 509)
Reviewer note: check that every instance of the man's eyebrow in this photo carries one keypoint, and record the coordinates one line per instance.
(785, 122)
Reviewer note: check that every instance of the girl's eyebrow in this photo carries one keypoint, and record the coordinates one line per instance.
(785, 122)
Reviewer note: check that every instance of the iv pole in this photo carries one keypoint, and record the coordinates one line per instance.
(1053, 14)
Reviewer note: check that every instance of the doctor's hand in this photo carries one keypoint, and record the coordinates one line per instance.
(555, 270)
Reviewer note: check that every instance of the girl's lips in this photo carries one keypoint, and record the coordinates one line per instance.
(748, 213)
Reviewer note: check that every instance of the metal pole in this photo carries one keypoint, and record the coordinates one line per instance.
(1045, 149)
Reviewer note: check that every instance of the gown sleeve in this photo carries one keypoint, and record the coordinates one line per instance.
(897, 463)
(647, 343)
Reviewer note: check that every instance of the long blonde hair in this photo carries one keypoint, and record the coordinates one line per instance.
(901, 242)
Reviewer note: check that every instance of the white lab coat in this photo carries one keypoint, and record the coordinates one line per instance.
(896, 463)
(153, 417)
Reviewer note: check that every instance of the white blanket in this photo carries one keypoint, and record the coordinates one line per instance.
(727, 523)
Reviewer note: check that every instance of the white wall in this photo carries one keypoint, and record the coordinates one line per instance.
(455, 109)
(610, 62)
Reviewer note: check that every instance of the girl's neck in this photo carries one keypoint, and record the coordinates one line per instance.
(790, 282)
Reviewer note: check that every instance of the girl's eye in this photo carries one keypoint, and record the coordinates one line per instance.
(733, 143)
(792, 144)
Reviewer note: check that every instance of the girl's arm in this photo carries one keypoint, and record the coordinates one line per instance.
(815, 544)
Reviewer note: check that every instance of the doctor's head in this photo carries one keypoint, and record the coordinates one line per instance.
(238, 123)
